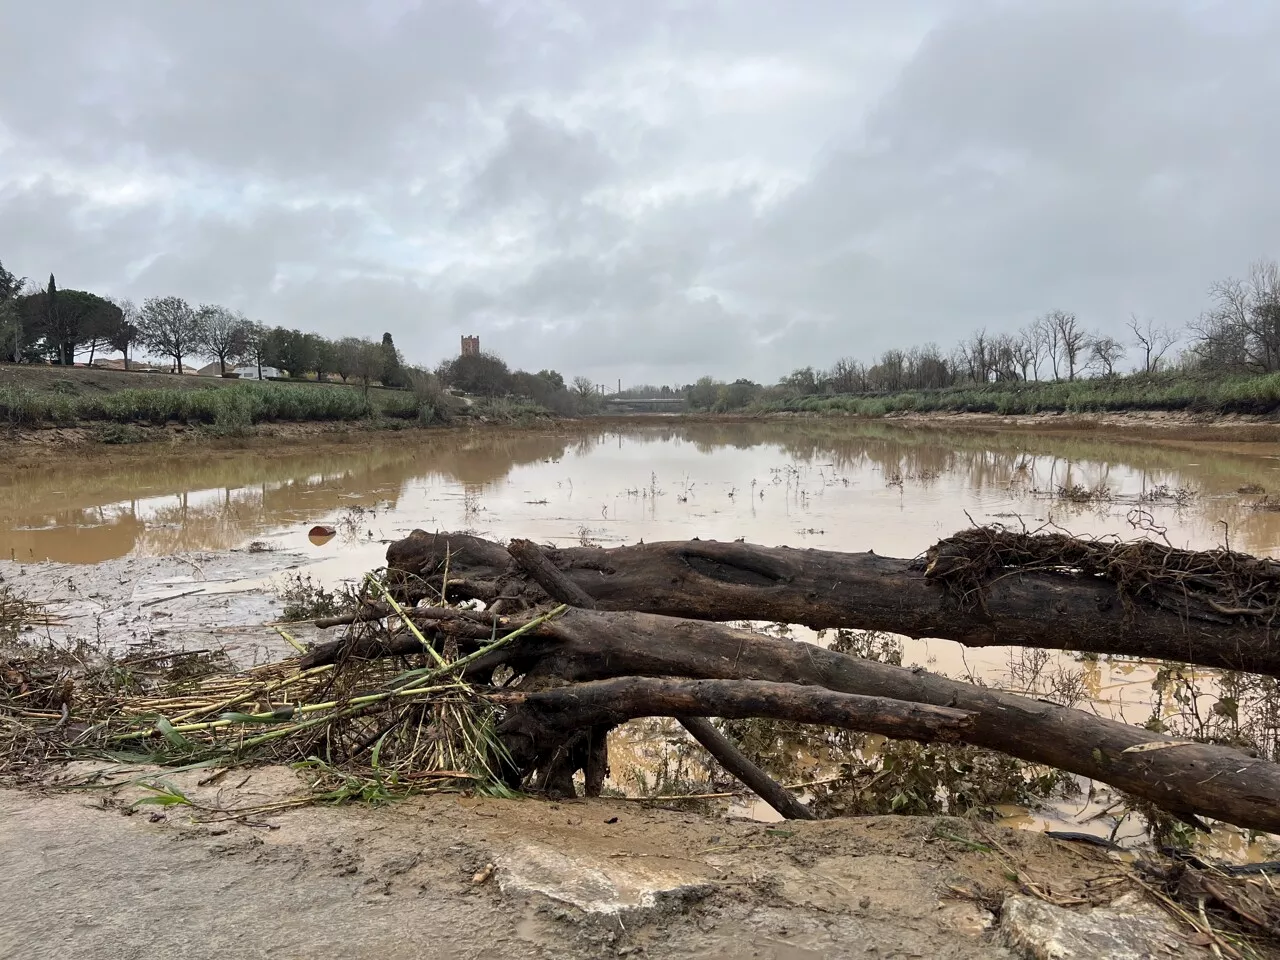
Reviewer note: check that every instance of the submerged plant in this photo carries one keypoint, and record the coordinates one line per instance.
(305, 599)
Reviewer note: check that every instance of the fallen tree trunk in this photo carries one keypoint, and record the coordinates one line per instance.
(548, 715)
(1182, 776)
(1188, 778)
(707, 580)
(535, 563)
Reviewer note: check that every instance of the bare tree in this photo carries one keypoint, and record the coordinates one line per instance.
(584, 386)
(1036, 338)
(1025, 349)
(1106, 352)
(931, 370)
(974, 354)
(167, 326)
(1153, 340)
(1003, 357)
(891, 370)
(222, 335)
(1051, 342)
(844, 375)
(1242, 329)
(1067, 341)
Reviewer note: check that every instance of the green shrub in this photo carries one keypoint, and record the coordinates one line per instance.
(1243, 394)
(116, 433)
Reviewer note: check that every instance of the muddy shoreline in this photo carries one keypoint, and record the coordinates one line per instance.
(86, 873)
(19, 444)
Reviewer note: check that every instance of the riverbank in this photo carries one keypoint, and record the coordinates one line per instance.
(1219, 394)
(478, 877)
(1161, 426)
(113, 441)
(47, 408)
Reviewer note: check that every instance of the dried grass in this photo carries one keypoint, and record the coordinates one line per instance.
(404, 720)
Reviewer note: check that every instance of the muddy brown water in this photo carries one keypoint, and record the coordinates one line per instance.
(832, 485)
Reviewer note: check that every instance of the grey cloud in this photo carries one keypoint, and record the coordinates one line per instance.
(221, 259)
(44, 229)
(540, 161)
(1093, 155)
(650, 191)
(321, 88)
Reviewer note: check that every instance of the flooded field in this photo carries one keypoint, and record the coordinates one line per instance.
(839, 486)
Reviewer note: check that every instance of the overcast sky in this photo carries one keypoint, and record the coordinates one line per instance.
(644, 190)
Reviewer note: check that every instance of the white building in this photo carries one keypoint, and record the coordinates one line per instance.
(251, 373)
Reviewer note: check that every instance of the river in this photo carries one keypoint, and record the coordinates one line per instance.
(837, 485)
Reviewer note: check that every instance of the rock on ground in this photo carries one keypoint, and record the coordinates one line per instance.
(1043, 931)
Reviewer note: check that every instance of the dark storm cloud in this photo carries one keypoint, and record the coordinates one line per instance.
(646, 191)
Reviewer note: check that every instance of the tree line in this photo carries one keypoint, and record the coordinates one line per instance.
(1238, 333)
(50, 325)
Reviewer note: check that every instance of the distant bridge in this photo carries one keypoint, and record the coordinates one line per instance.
(647, 405)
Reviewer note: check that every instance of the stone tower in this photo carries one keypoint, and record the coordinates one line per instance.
(470, 346)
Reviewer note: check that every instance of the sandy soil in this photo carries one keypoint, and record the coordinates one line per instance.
(1149, 424)
(22, 448)
(83, 874)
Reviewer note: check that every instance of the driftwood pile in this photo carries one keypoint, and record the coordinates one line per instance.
(647, 635)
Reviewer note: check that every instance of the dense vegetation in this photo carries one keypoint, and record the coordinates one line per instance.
(240, 405)
(1230, 364)
(1223, 394)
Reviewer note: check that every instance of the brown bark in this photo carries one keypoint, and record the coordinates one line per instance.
(1188, 778)
(731, 758)
(611, 702)
(547, 717)
(707, 580)
(534, 562)
(1185, 777)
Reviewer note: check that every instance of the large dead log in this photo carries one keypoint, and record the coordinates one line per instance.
(1189, 778)
(549, 714)
(707, 580)
(1185, 777)
(535, 563)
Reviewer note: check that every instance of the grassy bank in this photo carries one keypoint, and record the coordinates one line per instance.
(1259, 395)
(125, 407)
(241, 405)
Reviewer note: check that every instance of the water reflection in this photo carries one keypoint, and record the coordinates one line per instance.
(830, 484)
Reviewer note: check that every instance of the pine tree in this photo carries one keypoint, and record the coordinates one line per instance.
(390, 362)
